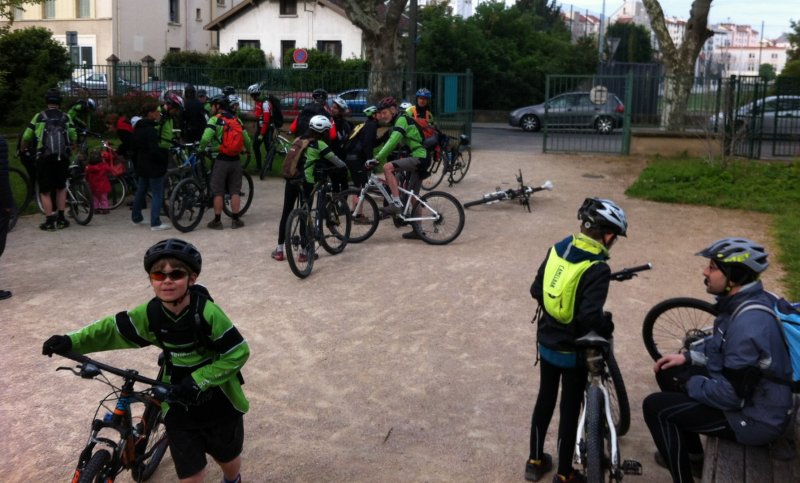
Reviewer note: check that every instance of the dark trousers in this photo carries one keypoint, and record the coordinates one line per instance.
(291, 193)
(676, 422)
(4, 219)
(573, 382)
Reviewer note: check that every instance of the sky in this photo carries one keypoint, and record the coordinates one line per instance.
(774, 13)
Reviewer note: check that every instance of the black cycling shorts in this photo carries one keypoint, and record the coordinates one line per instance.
(188, 447)
(51, 173)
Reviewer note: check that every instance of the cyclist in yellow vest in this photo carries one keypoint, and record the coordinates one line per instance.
(571, 286)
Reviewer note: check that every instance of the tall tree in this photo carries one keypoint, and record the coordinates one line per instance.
(383, 45)
(679, 61)
(794, 40)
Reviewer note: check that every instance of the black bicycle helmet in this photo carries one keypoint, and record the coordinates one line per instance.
(219, 99)
(603, 214)
(730, 252)
(228, 90)
(52, 96)
(202, 93)
(387, 102)
(319, 95)
(175, 248)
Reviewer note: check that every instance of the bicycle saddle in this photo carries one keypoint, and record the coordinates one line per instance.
(592, 339)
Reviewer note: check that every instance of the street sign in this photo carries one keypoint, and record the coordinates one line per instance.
(300, 66)
(300, 56)
(599, 94)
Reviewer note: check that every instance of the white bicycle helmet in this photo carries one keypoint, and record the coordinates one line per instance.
(603, 214)
(370, 111)
(319, 123)
(254, 90)
(339, 102)
(234, 101)
(405, 105)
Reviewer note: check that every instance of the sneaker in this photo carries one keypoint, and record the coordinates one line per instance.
(48, 225)
(140, 222)
(237, 223)
(278, 255)
(393, 208)
(215, 224)
(696, 462)
(534, 472)
(361, 220)
(411, 235)
(303, 257)
(5, 294)
(160, 227)
(62, 223)
(574, 477)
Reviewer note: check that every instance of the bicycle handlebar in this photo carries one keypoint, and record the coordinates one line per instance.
(124, 373)
(630, 272)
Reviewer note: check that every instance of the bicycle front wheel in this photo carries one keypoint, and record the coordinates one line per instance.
(595, 436)
(364, 214)
(118, 192)
(299, 243)
(267, 166)
(436, 171)
(245, 195)
(444, 218)
(186, 205)
(336, 225)
(672, 325)
(20, 189)
(618, 397)
(93, 471)
(461, 164)
(150, 450)
(79, 202)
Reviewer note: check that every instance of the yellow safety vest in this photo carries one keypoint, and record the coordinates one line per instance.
(561, 279)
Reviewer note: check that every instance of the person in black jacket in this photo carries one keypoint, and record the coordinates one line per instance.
(571, 286)
(193, 121)
(6, 203)
(151, 166)
(361, 146)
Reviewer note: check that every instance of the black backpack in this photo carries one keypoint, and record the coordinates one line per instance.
(276, 115)
(55, 141)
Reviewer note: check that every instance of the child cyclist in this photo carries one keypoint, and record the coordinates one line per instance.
(571, 286)
(205, 366)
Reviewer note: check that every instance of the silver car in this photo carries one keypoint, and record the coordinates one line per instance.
(571, 110)
(770, 115)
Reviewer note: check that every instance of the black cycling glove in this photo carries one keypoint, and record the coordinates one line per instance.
(57, 344)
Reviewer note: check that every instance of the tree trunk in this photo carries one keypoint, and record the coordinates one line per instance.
(679, 61)
(383, 45)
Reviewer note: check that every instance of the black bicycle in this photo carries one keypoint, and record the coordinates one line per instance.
(127, 431)
(278, 144)
(21, 192)
(449, 158)
(328, 223)
(522, 194)
(673, 325)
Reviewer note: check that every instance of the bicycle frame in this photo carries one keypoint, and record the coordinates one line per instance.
(596, 363)
(412, 199)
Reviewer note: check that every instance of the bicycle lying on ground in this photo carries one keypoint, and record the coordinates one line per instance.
(127, 432)
(605, 415)
(437, 217)
(328, 223)
(523, 194)
(448, 158)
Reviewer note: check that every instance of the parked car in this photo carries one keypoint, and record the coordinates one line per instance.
(293, 102)
(571, 110)
(95, 82)
(356, 99)
(157, 87)
(769, 116)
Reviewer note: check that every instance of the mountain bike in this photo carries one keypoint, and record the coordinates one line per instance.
(127, 431)
(522, 194)
(448, 158)
(437, 217)
(189, 199)
(673, 325)
(605, 415)
(328, 223)
(79, 196)
(278, 144)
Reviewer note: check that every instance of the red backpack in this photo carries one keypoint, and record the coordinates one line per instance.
(232, 136)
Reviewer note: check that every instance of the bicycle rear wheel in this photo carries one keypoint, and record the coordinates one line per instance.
(365, 218)
(20, 189)
(151, 448)
(186, 205)
(617, 397)
(246, 195)
(436, 171)
(118, 192)
(672, 325)
(448, 221)
(93, 471)
(461, 164)
(299, 243)
(595, 436)
(336, 225)
(79, 202)
(267, 166)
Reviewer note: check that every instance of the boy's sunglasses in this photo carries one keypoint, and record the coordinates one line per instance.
(174, 275)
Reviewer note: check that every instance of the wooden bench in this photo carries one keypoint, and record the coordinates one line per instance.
(730, 462)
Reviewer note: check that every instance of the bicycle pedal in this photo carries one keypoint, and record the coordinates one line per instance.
(631, 467)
